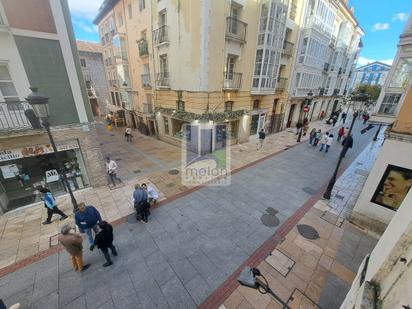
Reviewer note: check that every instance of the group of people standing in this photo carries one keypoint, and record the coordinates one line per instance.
(326, 139)
(144, 196)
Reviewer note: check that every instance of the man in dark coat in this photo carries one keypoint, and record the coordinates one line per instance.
(104, 241)
(347, 143)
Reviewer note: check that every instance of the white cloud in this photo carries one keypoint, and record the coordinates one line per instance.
(364, 61)
(85, 8)
(400, 16)
(380, 26)
(85, 26)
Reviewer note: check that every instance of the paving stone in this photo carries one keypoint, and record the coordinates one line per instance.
(50, 301)
(176, 295)
(78, 303)
(198, 289)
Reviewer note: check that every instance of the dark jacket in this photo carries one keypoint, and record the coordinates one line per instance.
(87, 219)
(349, 141)
(262, 135)
(104, 238)
(139, 196)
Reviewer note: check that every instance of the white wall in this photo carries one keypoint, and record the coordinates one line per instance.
(393, 152)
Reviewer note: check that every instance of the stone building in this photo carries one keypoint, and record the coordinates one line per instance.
(38, 50)
(94, 75)
(374, 73)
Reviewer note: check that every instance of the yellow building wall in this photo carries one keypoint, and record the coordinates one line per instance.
(403, 123)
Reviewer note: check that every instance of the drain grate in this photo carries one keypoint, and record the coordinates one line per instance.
(53, 240)
(280, 262)
(309, 190)
(341, 197)
(271, 211)
(307, 231)
(137, 171)
(270, 218)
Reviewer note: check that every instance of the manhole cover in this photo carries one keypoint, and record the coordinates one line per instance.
(271, 211)
(137, 171)
(307, 231)
(309, 190)
(174, 172)
(269, 220)
(341, 197)
(169, 185)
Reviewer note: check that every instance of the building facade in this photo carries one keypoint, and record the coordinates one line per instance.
(182, 66)
(374, 73)
(94, 75)
(328, 46)
(38, 50)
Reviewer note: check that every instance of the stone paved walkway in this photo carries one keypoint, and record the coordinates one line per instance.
(320, 271)
(190, 246)
(145, 160)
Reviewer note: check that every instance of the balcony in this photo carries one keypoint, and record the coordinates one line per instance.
(146, 83)
(326, 67)
(332, 41)
(236, 30)
(160, 35)
(340, 71)
(143, 48)
(232, 80)
(281, 84)
(162, 79)
(114, 83)
(147, 108)
(321, 91)
(17, 116)
(287, 48)
(336, 91)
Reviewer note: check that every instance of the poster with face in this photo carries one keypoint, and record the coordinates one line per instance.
(393, 187)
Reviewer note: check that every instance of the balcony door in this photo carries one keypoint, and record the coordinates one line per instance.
(230, 66)
(163, 64)
(234, 14)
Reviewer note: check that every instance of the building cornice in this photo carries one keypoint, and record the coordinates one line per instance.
(402, 137)
(105, 8)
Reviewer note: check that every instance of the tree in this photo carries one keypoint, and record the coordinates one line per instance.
(372, 90)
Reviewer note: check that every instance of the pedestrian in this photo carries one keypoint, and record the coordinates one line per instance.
(305, 126)
(323, 141)
(365, 117)
(341, 132)
(128, 134)
(347, 143)
(87, 218)
(72, 242)
(262, 136)
(51, 205)
(329, 142)
(343, 117)
(140, 203)
(317, 138)
(322, 115)
(152, 195)
(299, 126)
(111, 167)
(312, 136)
(104, 242)
(334, 120)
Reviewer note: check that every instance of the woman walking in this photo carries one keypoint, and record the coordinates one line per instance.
(104, 241)
(317, 138)
(312, 136)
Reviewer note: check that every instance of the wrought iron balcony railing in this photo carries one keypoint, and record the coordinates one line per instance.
(232, 80)
(146, 82)
(162, 79)
(160, 35)
(287, 48)
(281, 84)
(236, 29)
(17, 116)
(114, 83)
(143, 47)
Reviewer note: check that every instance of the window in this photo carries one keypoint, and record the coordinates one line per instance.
(256, 104)
(142, 5)
(120, 20)
(162, 18)
(7, 90)
(166, 122)
(228, 106)
(83, 62)
(389, 103)
(402, 73)
(163, 64)
(129, 8)
(181, 105)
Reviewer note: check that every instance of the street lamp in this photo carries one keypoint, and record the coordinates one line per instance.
(307, 102)
(362, 97)
(40, 105)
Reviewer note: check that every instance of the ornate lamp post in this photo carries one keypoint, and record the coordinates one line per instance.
(40, 105)
(307, 102)
(362, 97)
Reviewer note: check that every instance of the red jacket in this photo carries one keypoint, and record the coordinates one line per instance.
(341, 131)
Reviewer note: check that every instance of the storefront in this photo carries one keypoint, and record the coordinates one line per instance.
(23, 170)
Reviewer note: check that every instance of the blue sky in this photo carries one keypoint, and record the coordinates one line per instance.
(382, 21)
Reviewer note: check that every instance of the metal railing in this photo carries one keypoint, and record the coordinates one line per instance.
(321, 91)
(14, 116)
(160, 35)
(281, 83)
(287, 48)
(162, 79)
(147, 108)
(326, 66)
(114, 83)
(143, 47)
(146, 83)
(232, 80)
(236, 29)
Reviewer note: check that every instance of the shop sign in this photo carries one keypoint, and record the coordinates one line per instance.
(52, 176)
(36, 150)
